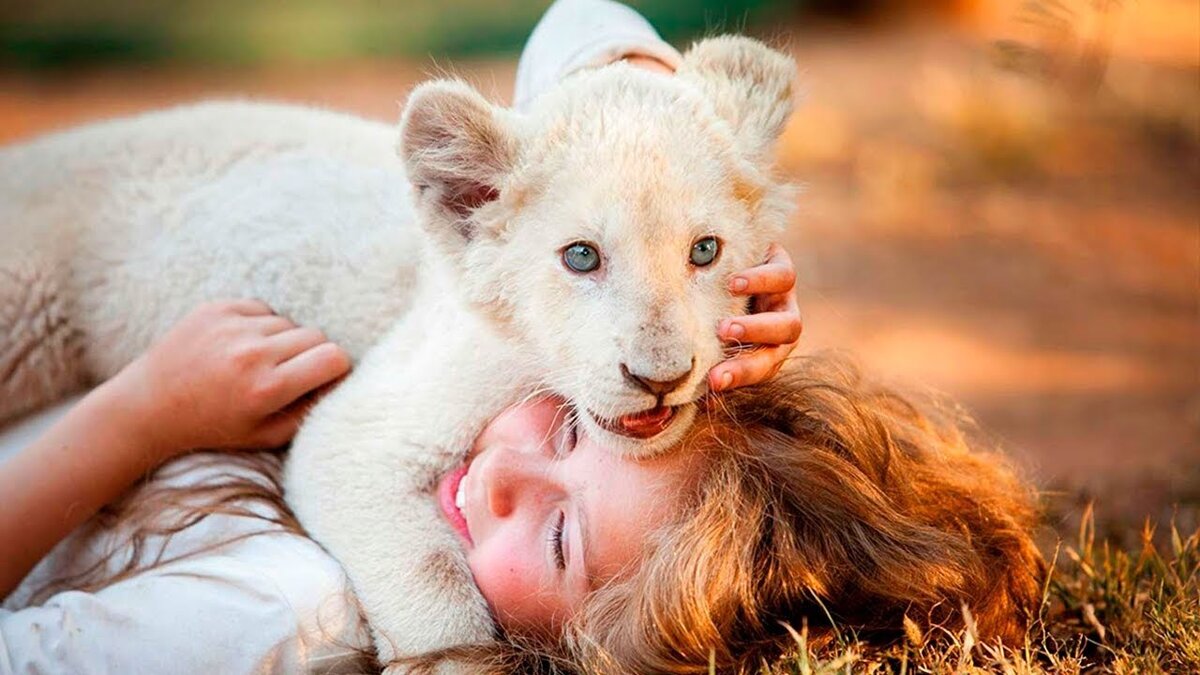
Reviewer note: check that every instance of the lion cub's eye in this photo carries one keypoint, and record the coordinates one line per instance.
(581, 257)
(705, 251)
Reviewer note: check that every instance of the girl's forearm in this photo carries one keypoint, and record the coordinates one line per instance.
(575, 34)
(92, 455)
(231, 374)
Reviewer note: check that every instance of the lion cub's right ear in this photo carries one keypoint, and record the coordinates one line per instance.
(458, 150)
(749, 85)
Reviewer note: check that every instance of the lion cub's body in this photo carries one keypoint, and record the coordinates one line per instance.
(113, 232)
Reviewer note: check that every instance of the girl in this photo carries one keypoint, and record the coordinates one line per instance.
(812, 499)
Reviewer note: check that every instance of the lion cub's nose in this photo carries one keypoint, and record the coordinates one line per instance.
(658, 388)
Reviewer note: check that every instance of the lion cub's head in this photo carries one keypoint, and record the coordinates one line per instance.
(603, 225)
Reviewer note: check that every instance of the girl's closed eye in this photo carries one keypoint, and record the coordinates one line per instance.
(572, 432)
(555, 541)
(568, 434)
(568, 438)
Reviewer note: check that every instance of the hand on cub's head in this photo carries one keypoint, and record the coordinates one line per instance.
(230, 374)
(770, 332)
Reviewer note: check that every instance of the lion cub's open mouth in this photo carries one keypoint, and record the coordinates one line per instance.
(642, 425)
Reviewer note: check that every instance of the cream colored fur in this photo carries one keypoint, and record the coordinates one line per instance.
(120, 228)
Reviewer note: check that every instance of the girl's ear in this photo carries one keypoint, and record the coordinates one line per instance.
(749, 84)
(457, 149)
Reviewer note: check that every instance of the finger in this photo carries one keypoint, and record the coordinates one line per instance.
(279, 428)
(776, 302)
(767, 328)
(774, 277)
(293, 342)
(308, 370)
(778, 254)
(269, 324)
(248, 307)
(749, 367)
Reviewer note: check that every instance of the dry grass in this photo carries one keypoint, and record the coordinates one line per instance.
(1105, 610)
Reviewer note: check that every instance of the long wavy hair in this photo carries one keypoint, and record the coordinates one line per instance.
(825, 501)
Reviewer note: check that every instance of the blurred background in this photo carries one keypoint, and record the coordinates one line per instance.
(1002, 198)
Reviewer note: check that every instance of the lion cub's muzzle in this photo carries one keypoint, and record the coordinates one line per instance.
(659, 388)
(652, 421)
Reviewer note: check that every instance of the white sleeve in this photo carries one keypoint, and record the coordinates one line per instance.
(576, 34)
(271, 606)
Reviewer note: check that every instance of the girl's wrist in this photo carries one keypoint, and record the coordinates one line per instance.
(126, 406)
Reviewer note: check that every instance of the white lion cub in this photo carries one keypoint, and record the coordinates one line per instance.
(582, 247)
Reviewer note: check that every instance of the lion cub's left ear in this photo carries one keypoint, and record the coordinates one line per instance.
(749, 84)
(458, 150)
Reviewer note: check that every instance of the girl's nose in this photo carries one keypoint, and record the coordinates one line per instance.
(510, 478)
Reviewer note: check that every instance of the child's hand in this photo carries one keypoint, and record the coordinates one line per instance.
(230, 374)
(774, 326)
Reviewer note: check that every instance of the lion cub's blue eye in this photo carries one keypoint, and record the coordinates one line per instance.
(582, 258)
(704, 251)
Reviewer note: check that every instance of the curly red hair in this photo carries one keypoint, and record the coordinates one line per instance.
(827, 502)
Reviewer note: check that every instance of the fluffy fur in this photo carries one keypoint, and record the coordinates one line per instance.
(124, 226)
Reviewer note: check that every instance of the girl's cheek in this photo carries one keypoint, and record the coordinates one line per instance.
(507, 581)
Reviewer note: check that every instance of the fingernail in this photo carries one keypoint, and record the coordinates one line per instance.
(735, 330)
(724, 381)
(738, 284)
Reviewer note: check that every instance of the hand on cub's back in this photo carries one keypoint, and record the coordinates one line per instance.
(230, 374)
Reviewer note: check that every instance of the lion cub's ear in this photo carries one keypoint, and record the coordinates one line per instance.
(457, 149)
(749, 84)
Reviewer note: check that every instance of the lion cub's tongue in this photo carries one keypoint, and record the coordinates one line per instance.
(646, 423)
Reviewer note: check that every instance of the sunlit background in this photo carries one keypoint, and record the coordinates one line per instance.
(1002, 198)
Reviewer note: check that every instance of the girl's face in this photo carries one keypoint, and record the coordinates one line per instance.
(546, 515)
